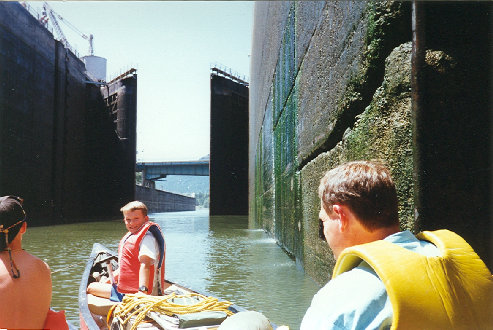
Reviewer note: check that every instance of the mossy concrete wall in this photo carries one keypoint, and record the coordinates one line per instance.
(315, 68)
(382, 131)
(330, 82)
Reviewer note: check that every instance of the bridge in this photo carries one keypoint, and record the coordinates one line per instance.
(152, 171)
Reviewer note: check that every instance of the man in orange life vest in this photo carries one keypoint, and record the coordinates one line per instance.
(141, 255)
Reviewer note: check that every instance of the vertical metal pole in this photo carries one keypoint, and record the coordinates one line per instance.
(417, 97)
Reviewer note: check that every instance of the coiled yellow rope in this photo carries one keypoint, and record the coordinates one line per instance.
(139, 305)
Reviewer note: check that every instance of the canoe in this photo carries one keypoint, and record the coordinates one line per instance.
(71, 326)
(93, 310)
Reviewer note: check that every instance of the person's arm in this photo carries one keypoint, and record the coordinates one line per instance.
(148, 253)
(107, 280)
(144, 271)
(116, 273)
(356, 299)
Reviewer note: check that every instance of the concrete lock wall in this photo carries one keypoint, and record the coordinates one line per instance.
(59, 149)
(163, 201)
(331, 82)
(24, 131)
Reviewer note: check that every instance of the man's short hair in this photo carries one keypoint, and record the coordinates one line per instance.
(12, 215)
(133, 206)
(366, 187)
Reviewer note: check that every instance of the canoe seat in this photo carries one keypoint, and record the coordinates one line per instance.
(98, 305)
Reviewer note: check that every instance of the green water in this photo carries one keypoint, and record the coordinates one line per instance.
(218, 255)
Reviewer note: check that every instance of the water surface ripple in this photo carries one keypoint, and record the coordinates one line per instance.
(217, 255)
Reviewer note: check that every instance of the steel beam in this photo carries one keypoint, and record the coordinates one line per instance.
(157, 170)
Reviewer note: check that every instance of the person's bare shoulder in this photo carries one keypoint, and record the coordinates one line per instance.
(35, 268)
(39, 276)
(42, 266)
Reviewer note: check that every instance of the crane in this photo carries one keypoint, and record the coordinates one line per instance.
(54, 19)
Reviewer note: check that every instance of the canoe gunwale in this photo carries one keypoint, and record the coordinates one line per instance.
(85, 314)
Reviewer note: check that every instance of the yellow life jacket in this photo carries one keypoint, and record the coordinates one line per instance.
(450, 291)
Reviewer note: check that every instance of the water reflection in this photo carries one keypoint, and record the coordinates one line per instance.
(249, 268)
(66, 248)
(187, 245)
(219, 255)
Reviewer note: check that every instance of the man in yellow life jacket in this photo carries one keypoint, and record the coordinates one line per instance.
(385, 278)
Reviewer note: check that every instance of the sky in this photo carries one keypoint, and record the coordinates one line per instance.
(173, 45)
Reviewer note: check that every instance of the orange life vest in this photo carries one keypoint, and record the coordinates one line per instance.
(55, 320)
(128, 251)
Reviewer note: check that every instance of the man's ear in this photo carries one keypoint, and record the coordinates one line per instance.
(340, 210)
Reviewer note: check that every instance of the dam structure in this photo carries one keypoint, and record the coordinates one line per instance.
(68, 145)
(228, 144)
(67, 137)
(407, 83)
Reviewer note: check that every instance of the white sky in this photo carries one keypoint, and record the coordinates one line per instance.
(172, 44)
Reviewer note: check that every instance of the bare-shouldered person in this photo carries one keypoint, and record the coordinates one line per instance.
(25, 280)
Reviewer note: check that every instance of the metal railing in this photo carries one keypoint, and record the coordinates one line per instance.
(223, 71)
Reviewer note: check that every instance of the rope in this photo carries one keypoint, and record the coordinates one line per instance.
(139, 305)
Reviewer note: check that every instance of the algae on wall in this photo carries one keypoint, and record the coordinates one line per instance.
(339, 90)
(382, 132)
(330, 63)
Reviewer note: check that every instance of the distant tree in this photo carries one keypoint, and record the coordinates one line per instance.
(138, 178)
(202, 199)
(206, 202)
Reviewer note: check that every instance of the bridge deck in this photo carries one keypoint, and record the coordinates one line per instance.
(157, 170)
